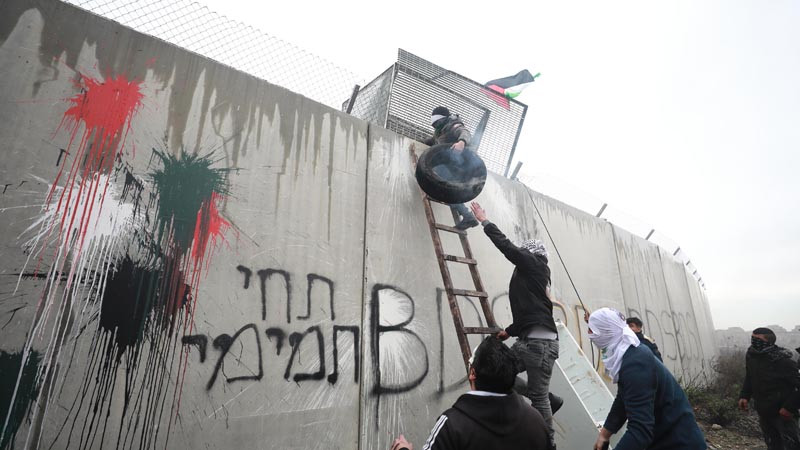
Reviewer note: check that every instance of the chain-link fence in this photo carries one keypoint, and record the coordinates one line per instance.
(196, 28)
(401, 99)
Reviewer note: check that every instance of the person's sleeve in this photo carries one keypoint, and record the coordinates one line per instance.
(506, 247)
(747, 386)
(512, 330)
(638, 393)
(430, 141)
(441, 437)
(795, 404)
(463, 134)
(616, 416)
(792, 376)
(656, 352)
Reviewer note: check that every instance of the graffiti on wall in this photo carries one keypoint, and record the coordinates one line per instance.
(122, 256)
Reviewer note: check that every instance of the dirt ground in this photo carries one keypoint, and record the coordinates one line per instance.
(741, 435)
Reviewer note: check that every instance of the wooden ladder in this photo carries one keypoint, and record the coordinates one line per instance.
(443, 258)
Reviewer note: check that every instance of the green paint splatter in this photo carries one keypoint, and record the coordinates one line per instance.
(28, 389)
(183, 184)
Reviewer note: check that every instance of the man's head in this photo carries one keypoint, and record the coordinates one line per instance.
(535, 246)
(493, 367)
(763, 335)
(439, 116)
(635, 324)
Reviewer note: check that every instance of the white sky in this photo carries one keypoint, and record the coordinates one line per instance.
(685, 114)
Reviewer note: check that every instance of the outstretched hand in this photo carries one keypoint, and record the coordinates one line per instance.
(502, 335)
(480, 214)
(401, 444)
(458, 146)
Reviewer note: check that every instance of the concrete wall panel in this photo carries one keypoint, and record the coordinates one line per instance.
(690, 350)
(196, 258)
(265, 345)
(705, 326)
(645, 292)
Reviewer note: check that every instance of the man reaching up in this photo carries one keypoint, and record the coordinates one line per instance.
(532, 313)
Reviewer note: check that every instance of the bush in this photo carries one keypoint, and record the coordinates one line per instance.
(716, 401)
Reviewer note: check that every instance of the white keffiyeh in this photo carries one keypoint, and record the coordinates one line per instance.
(610, 332)
(436, 117)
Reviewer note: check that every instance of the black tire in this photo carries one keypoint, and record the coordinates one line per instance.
(466, 183)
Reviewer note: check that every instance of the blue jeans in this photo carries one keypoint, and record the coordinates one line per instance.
(539, 356)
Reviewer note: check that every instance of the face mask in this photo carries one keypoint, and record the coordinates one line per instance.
(594, 337)
(759, 344)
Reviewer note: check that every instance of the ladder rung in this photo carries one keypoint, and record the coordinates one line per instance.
(436, 201)
(455, 230)
(481, 330)
(467, 293)
(459, 259)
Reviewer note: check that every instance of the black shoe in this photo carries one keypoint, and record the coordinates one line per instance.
(467, 223)
(555, 402)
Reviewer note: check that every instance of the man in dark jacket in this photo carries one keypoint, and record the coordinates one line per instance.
(772, 381)
(531, 311)
(449, 129)
(648, 396)
(491, 416)
(635, 324)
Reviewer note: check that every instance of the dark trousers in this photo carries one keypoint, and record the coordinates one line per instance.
(462, 210)
(539, 357)
(779, 433)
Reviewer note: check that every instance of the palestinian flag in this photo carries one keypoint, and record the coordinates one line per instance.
(509, 87)
(512, 86)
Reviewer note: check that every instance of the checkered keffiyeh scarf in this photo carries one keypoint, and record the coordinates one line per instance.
(535, 246)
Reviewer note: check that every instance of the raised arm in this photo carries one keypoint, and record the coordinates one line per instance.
(513, 253)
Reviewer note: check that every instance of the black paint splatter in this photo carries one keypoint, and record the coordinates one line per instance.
(26, 394)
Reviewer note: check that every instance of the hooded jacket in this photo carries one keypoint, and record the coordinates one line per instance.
(452, 132)
(654, 405)
(527, 291)
(480, 422)
(771, 380)
(649, 343)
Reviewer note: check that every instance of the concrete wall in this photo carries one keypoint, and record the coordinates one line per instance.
(196, 258)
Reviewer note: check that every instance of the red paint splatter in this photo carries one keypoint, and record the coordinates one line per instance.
(103, 110)
(102, 114)
(209, 227)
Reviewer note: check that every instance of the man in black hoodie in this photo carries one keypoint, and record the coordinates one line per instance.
(635, 324)
(490, 416)
(532, 313)
(772, 381)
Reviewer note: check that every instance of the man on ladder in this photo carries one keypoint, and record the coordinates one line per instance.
(532, 313)
(449, 129)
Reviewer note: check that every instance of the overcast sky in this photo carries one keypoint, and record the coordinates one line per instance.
(685, 114)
